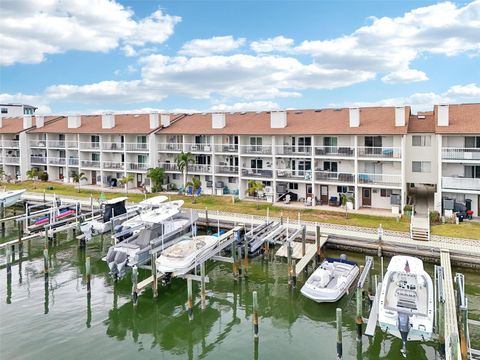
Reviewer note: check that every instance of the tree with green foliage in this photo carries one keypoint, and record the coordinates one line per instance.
(78, 178)
(125, 180)
(184, 159)
(344, 199)
(2, 175)
(195, 183)
(156, 175)
(254, 188)
(32, 174)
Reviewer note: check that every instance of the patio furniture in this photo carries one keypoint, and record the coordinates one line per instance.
(334, 201)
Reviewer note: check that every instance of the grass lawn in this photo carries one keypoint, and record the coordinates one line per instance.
(468, 230)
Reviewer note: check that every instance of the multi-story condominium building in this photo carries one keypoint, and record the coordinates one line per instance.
(380, 156)
(11, 110)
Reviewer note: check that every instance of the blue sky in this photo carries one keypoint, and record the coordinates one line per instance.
(96, 55)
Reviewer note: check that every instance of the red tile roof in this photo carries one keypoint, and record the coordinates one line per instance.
(462, 119)
(14, 125)
(423, 122)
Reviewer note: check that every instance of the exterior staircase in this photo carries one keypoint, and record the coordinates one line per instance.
(420, 227)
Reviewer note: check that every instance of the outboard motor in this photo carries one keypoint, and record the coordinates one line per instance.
(404, 329)
(343, 257)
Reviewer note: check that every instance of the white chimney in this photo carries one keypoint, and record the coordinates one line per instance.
(278, 119)
(400, 116)
(354, 116)
(165, 120)
(442, 115)
(218, 120)
(74, 121)
(108, 120)
(27, 121)
(154, 120)
(39, 121)
(1, 121)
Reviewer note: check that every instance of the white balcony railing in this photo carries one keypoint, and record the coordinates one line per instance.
(461, 153)
(56, 161)
(11, 160)
(386, 152)
(90, 164)
(263, 173)
(85, 145)
(226, 148)
(170, 147)
(257, 149)
(330, 176)
(294, 174)
(380, 179)
(169, 167)
(137, 166)
(298, 150)
(56, 144)
(200, 168)
(113, 165)
(199, 147)
(336, 151)
(113, 146)
(226, 169)
(136, 147)
(73, 161)
(10, 144)
(38, 143)
(72, 144)
(39, 160)
(460, 183)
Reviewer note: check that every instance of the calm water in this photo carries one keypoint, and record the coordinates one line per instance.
(55, 319)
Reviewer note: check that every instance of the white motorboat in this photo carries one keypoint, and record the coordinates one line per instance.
(180, 257)
(10, 197)
(331, 280)
(406, 307)
(154, 201)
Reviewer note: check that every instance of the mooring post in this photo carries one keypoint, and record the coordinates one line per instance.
(441, 326)
(359, 319)
(88, 272)
(255, 314)
(304, 240)
(134, 284)
(289, 263)
(190, 299)
(375, 284)
(45, 262)
(281, 218)
(206, 219)
(381, 268)
(234, 264)
(339, 333)
(8, 255)
(46, 237)
(2, 214)
(239, 261)
(245, 259)
(294, 273)
(202, 285)
(317, 242)
(155, 276)
(20, 241)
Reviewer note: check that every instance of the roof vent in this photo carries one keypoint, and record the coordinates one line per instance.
(1, 121)
(218, 120)
(27, 121)
(74, 121)
(165, 120)
(108, 120)
(421, 117)
(400, 116)
(153, 120)
(39, 121)
(278, 119)
(354, 116)
(442, 115)
(318, 110)
(243, 113)
(298, 112)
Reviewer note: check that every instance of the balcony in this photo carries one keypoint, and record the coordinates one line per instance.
(11, 160)
(287, 150)
(90, 164)
(113, 165)
(10, 144)
(261, 173)
(89, 145)
(380, 179)
(460, 183)
(137, 166)
(57, 161)
(139, 147)
(72, 144)
(337, 177)
(73, 161)
(379, 152)
(461, 153)
(38, 160)
(170, 147)
(257, 149)
(335, 151)
(226, 148)
(225, 169)
(200, 168)
(199, 147)
(38, 143)
(113, 146)
(59, 144)
(169, 167)
(294, 174)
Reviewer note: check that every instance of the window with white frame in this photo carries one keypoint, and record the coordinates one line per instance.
(421, 166)
(421, 140)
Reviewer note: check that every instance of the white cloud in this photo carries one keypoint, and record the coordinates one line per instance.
(246, 106)
(278, 43)
(404, 76)
(30, 29)
(128, 50)
(213, 45)
(39, 101)
(470, 91)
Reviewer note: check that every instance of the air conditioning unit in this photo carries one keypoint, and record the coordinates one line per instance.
(219, 184)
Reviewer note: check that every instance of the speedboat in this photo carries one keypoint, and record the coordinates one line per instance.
(10, 197)
(180, 257)
(331, 280)
(406, 301)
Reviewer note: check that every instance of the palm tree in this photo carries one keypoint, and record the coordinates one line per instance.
(254, 188)
(183, 160)
(32, 174)
(156, 175)
(2, 175)
(195, 184)
(78, 178)
(125, 180)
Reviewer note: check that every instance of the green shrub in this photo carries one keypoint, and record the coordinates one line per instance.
(434, 217)
(43, 176)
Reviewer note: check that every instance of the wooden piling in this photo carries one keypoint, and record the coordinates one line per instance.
(88, 274)
(255, 314)
(359, 318)
(202, 285)
(381, 268)
(234, 263)
(317, 242)
(45, 261)
(155, 275)
(339, 333)
(441, 326)
(245, 259)
(294, 274)
(190, 299)
(20, 241)
(2, 214)
(8, 255)
(239, 261)
(454, 346)
(289, 263)
(134, 285)
(206, 219)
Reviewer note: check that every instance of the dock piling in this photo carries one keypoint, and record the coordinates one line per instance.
(202, 285)
(88, 272)
(294, 274)
(45, 262)
(155, 276)
(339, 334)
(20, 241)
(359, 318)
(190, 299)
(317, 242)
(289, 263)
(255, 314)
(245, 259)
(2, 214)
(234, 263)
(381, 268)
(206, 219)
(239, 261)
(134, 285)
(8, 255)
(304, 240)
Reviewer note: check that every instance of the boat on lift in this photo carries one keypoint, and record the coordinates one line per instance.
(331, 280)
(406, 306)
(10, 197)
(180, 257)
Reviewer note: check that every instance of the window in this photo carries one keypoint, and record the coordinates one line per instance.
(256, 143)
(385, 192)
(232, 180)
(472, 171)
(472, 141)
(342, 189)
(201, 139)
(373, 141)
(256, 164)
(4, 110)
(293, 186)
(421, 166)
(95, 157)
(330, 144)
(175, 176)
(330, 166)
(142, 159)
(421, 140)
(304, 143)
